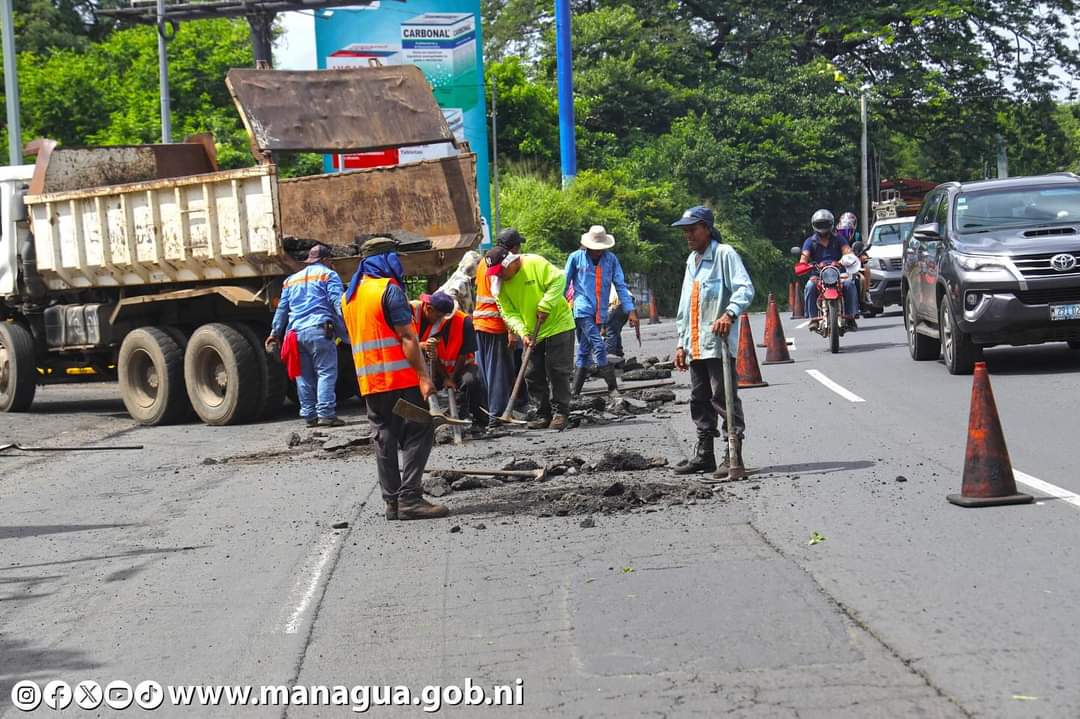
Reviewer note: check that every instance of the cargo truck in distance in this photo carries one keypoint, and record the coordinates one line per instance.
(149, 266)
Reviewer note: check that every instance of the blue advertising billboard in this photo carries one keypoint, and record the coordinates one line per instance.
(441, 37)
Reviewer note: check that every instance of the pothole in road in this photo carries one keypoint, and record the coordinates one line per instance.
(618, 482)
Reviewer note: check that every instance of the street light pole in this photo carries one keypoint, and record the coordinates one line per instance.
(163, 74)
(864, 219)
(11, 84)
(495, 146)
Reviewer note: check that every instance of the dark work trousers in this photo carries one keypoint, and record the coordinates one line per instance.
(707, 397)
(498, 368)
(392, 434)
(550, 365)
(471, 394)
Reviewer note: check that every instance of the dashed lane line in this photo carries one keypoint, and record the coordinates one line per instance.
(837, 388)
(1051, 490)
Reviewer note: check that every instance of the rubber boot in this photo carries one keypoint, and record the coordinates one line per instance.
(704, 459)
(724, 470)
(608, 373)
(580, 374)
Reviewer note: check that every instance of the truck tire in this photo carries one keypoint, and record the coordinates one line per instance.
(150, 369)
(180, 337)
(18, 370)
(921, 347)
(347, 386)
(957, 349)
(222, 375)
(272, 377)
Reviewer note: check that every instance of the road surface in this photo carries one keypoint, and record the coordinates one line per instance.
(209, 557)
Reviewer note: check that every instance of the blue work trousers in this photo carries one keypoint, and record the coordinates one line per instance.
(616, 320)
(318, 374)
(497, 366)
(591, 348)
(851, 298)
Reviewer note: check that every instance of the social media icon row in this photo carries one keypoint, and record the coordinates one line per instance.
(28, 696)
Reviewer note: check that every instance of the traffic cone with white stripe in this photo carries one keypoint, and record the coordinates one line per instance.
(746, 364)
(776, 351)
(988, 475)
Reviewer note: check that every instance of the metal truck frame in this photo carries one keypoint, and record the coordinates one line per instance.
(149, 266)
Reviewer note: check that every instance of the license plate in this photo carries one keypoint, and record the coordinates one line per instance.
(1065, 312)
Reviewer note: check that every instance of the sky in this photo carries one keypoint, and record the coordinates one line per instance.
(295, 49)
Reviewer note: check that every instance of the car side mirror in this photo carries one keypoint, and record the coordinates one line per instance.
(858, 248)
(928, 232)
(797, 251)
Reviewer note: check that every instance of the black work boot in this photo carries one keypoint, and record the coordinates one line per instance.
(704, 459)
(580, 373)
(728, 469)
(420, 508)
(608, 373)
(391, 510)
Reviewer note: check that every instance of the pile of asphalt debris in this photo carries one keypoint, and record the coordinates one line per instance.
(572, 486)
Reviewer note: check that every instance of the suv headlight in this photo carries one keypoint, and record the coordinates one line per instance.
(978, 263)
(876, 263)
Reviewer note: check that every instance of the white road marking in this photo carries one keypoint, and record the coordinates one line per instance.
(308, 582)
(1046, 488)
(804, 325)
(840, 390)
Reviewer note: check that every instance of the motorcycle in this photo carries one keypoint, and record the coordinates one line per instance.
(830, 301)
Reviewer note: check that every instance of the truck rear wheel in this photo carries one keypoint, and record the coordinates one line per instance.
(18, 371)
(222, 375)
(271, 373)
(150, 369)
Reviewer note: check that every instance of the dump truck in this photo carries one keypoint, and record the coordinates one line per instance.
(149, 266)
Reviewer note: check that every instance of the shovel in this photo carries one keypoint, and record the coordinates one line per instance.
(519, 473)
(507, 415)
(736, 470)
(451, 397)
(432, 415)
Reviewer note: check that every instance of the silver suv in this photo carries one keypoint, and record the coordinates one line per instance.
(994, 262)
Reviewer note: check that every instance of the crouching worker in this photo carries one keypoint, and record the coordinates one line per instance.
(450, 342)
(390, 366)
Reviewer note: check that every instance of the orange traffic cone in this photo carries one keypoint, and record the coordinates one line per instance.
(654, 315)
(776, 351)
(793, 287)
(988, 474)
(746, 365)
(800, 310)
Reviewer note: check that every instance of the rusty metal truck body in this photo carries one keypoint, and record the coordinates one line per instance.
(148, 265)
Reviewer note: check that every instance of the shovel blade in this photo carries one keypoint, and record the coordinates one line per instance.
(411, 412)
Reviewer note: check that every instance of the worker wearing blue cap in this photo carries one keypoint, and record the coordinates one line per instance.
(716, 290)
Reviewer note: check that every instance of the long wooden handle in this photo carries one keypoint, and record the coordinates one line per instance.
(521, 372)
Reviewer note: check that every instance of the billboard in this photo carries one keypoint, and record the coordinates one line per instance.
(441, 37)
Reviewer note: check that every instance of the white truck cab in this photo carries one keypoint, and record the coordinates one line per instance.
(886, 252)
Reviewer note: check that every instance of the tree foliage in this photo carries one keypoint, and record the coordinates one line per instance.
(753, 108)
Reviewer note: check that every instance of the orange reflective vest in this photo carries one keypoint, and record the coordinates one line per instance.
(486, 317)
(380, 361)
(448, 346)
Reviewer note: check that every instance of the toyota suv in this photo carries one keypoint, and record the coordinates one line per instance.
(993, 262)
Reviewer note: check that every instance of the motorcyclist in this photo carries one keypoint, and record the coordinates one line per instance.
(821, 247)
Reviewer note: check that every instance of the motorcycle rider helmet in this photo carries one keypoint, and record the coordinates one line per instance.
(848, 221)
(822, 221)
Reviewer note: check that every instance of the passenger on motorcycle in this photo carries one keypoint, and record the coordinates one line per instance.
(848, 230)
(823, 247)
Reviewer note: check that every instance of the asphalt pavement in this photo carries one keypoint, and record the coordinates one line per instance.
(210, 557)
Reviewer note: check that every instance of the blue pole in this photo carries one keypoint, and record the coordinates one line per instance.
(564, 70)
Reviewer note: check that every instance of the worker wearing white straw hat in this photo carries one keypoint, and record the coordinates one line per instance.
(591, 272)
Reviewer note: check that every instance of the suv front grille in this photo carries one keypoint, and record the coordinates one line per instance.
(1048, 296)
(894, 263)
(1039, 265)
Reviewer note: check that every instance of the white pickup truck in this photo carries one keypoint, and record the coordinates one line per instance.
(147, 265)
